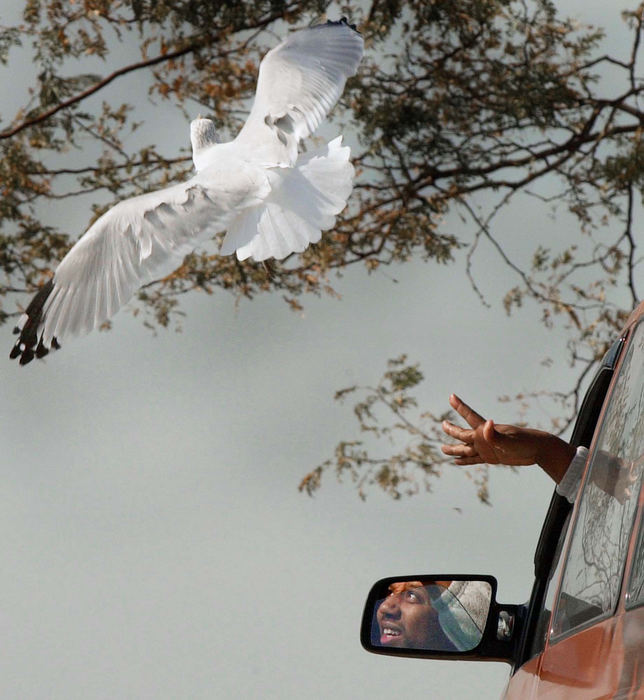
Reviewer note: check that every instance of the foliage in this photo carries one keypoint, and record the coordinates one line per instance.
(412, 468)
(455, 99)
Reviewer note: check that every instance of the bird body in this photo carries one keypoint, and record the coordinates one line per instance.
(271, 199)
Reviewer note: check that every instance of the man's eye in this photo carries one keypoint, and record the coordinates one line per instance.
(412, 597)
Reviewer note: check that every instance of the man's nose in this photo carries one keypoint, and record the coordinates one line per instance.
(391, 606)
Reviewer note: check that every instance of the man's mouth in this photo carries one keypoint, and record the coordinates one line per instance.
(389, 634)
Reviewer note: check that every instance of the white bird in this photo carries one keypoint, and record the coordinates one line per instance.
(270, 199)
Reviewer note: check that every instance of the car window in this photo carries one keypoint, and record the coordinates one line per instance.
(548, 561)
(595, 563)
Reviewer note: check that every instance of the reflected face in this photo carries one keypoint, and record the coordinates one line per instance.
(406, 617)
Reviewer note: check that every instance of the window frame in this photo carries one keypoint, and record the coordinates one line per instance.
(552, 545)
(555, 638)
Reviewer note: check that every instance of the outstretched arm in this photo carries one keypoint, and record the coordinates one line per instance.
(484, 442)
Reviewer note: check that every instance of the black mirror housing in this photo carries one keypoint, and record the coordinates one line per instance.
(440, 616)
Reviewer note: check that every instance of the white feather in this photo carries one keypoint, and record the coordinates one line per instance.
(141, 239)
(299, 82)
(304, 200)
(270, 201)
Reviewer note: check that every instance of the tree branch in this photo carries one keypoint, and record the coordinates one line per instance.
(43, 116)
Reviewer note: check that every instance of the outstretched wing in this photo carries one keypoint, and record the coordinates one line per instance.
(145, 237)
(138, 240)
(299, 82)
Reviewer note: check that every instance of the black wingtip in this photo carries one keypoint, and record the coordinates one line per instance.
(29, 345)
(343, 21)
(41, 350)
(27, 356)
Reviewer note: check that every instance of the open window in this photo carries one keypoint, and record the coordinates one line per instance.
(596, 557)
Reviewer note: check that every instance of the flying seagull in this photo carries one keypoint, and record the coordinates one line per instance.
(270, 199)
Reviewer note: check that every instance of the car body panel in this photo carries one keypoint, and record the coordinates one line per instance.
(606, 658)
(523, 683)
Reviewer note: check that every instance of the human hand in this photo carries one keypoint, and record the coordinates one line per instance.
(487, 443)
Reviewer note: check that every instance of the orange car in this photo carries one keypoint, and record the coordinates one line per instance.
(581, 634)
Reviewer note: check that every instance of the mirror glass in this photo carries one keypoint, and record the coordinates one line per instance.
(430, 615)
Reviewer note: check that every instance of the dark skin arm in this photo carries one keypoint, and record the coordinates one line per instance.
(485, 442)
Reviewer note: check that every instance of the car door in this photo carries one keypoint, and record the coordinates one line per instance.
(548, 559)
(594, 646)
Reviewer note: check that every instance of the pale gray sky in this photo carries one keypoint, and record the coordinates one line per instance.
(155, 544)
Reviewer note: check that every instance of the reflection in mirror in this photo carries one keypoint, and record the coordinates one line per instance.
(432, 615)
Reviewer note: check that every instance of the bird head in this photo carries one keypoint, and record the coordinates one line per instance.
(202, 135)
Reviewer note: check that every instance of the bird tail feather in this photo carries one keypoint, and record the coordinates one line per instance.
(303, 202)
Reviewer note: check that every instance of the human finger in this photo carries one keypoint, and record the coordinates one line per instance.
(488, 431)
(459, 450)
(458, 433)
(487, 447)
(467, 461)
(467, 412)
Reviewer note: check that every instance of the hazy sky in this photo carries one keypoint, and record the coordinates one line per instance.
(155, 543)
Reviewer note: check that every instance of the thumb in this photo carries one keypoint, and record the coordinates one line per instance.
(489, 433)
(487, 450)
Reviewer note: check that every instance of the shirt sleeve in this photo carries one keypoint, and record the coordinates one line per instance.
(569, 485)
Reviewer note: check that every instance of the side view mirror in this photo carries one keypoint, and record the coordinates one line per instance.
(439, 616)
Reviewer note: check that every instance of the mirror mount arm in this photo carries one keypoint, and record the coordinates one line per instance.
(502, 634)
